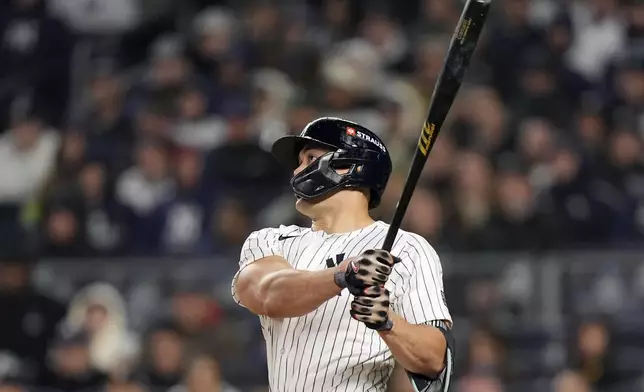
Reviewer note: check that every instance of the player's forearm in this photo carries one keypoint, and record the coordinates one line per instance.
(294, 293)
(418, 348)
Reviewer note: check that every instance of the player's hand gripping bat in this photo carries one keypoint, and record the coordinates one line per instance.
(458, 57)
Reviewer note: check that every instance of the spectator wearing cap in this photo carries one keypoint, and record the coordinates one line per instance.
(70, 364)
(99, 311)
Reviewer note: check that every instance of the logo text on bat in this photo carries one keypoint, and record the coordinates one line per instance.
(462, 31)
(426, 138)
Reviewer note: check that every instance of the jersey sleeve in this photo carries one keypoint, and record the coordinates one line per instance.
(259, 244)
(417, 283)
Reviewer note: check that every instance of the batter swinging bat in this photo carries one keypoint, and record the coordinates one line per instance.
(458, 57)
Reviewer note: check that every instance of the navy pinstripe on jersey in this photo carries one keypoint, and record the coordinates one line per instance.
(326, 350)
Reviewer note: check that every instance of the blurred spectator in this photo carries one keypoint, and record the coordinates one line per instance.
(71, 157)
(599, 36)
(195, 127)
(486, 355)
(592, 356)
(515, 221)
(109, 133)
(216, 32)
(164, 361)
(62, 233)
(425, 215)
(203, 376)
(126, 386)
(27, 155)
(142, 190)
(166, 76)
(187, 215)
(30, 317)
(437, 17)
(569, 381)
(36, 49)
(203, 326)
(471, 202)
(99, 311)
(82, 217)
(102, 219)
(98, 17)
(229, 223)
(481, 122)
(480, 384)
(510, 38)
(71, 367)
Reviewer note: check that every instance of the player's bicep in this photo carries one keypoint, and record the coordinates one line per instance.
(421, 298)
(259, 245)
(246, 286)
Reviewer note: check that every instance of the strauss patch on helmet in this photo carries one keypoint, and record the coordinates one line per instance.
(371, 140)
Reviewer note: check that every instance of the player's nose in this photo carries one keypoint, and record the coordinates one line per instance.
(298, 169)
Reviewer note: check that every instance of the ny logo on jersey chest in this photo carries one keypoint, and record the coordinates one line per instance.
(330, 262)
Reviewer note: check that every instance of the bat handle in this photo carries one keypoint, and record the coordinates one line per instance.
(391, 236)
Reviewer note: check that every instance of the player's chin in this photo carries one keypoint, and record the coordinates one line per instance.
(302, 204)
(305, 205)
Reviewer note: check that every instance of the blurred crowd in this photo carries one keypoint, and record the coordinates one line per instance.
(102, 340)
(143, 128)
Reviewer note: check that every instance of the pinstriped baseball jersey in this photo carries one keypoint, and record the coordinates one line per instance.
(327, 350)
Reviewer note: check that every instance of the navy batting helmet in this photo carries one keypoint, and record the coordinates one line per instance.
(352, 146)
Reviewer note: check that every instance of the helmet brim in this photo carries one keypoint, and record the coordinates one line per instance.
(287, 149)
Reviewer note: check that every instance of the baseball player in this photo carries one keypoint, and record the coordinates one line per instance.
(336, 312)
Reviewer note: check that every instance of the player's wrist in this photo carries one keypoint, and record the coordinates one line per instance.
(340, 278)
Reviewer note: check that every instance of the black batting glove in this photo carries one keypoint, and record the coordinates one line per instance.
(371, 268)
(372, 308)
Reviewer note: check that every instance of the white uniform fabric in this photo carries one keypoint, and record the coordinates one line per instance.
(327, 350)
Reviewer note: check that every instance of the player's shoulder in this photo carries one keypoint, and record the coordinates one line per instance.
(282, 231)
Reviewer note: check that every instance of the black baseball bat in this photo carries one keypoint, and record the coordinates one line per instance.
(458, 57)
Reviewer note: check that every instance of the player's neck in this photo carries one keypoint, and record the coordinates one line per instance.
(342, 222)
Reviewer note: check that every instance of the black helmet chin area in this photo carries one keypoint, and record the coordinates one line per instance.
(322, 177)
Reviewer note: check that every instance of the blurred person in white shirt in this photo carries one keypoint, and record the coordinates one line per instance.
(27, 156)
